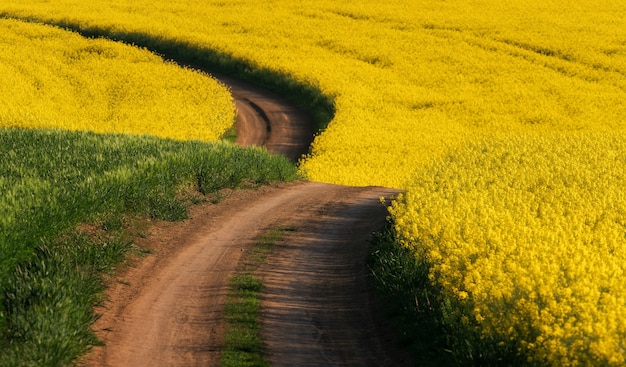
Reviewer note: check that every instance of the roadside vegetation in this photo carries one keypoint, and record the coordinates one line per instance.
(504, 123)
(407, 299)
(56, 182)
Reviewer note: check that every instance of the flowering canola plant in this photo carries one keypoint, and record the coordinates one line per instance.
(409, 79)
(57, 79)
(527, 237)
(504, 122)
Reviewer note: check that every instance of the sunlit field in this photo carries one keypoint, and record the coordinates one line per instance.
(503, 121)
(53, 181)
(57, 79)
(149, 152)
(526, 238)
(409, 80)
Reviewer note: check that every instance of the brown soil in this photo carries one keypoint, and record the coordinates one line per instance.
(267, 119)
(167, 309)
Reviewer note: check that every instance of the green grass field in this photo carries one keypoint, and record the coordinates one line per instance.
(53, 181)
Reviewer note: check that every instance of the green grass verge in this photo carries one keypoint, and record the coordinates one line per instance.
(51, 182)
(243, 345)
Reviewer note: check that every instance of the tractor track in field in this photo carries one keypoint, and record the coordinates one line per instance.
(167, 308)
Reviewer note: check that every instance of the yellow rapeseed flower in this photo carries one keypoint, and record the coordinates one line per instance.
(543, 254)
(53, 78)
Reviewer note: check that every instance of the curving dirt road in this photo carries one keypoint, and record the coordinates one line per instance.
(267, 119)
(166, 310)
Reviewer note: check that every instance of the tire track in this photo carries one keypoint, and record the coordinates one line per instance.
(267, 119)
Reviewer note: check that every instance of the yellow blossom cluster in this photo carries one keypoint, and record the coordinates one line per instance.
(528, 237)
(53, 78)
(520, 105)
(409, 79)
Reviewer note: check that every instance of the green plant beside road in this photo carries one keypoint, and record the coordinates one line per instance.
(417, 313)
(51, 182)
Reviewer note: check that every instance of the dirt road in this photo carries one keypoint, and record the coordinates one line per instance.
(167, 309)
(267, 119)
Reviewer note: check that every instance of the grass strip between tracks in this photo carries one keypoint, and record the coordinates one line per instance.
(242, 341)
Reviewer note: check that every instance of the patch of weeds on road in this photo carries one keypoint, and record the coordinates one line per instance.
(242, 341)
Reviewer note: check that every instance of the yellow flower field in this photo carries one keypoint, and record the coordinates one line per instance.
(410, 79)
(527, 237)
(504, 121)
(57, 79)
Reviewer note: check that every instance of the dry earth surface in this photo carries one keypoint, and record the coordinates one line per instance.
(167, 308)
